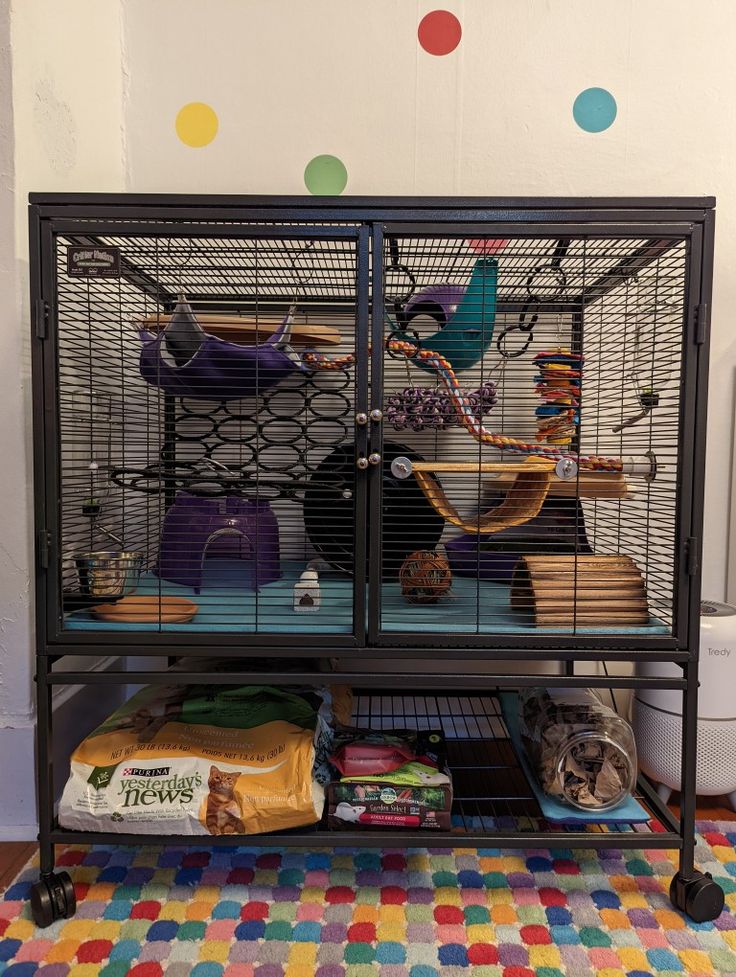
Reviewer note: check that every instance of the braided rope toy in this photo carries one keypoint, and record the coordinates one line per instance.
(466, 413)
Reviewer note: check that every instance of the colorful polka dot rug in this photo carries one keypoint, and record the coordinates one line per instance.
(244, 912)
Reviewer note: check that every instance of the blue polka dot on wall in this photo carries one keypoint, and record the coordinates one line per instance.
(594, 109)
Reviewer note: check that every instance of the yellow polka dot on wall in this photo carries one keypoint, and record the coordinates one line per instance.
(196, 124)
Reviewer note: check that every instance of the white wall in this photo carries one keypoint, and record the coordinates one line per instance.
(67, 101)
(97, 85)
(62, 129)
(15, 540)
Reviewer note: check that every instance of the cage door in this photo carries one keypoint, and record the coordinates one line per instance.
(531, 457)
(208, 384)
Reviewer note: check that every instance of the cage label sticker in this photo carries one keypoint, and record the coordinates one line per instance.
(93, 262)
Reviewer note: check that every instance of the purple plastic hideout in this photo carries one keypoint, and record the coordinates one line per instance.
(229, 527)
(438, 301)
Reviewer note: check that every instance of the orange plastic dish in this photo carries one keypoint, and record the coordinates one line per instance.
(147, 610)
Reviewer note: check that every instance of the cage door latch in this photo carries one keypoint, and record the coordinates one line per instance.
(40, 318)
(701, 323)
(691, 555)
(44, 544)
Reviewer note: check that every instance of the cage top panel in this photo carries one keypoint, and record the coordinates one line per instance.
(531, 269)
(368, 203)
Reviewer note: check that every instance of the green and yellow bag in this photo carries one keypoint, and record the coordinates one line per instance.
(203, 760)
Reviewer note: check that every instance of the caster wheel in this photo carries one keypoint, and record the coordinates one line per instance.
(52, 898)
(698, 897)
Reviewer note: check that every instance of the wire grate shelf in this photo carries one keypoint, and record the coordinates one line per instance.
(491, 791)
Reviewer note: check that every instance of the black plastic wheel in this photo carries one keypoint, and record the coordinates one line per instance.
(409, 521)
(699, 897)
(52, 898)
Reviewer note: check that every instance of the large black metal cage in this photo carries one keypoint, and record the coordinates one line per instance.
(403, 429)
(313, 428)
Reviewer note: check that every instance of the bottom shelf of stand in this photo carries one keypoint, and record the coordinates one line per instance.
(494, 805)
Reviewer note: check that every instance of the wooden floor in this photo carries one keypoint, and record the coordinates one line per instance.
(15, 854)
(711, 809)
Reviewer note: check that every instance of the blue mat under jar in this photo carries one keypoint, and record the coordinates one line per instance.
(629, 811)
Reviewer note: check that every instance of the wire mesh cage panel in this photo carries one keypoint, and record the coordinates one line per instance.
(367, 434)
(532, 410)
(193, 437)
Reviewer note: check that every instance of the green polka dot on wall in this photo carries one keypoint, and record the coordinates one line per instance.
(594, 109)
(325, 175)
(196, 124)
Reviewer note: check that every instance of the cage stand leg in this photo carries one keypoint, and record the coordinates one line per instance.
(52, 897)
(691, 891)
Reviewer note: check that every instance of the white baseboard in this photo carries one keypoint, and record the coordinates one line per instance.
(77, 711)
(18, 832)
(17, 767)
(63, 693)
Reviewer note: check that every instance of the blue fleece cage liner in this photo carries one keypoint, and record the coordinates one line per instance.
(228, 604)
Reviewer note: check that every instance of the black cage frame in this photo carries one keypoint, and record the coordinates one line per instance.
(87, 217)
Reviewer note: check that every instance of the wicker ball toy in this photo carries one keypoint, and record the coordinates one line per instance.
(425, 577)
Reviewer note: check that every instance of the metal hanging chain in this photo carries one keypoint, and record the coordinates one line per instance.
(647, 396)
(529, 315)
(634, 370)
(399, 301)
(300, 290)
(301, 286)
(180, 268)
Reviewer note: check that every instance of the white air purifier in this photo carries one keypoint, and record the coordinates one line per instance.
(657, 713)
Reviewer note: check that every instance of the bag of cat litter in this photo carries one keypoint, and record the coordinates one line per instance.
(203, 760)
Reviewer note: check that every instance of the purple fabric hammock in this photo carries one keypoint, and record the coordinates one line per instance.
(218, 370)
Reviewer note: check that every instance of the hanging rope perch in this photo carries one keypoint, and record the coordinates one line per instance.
(465, 411)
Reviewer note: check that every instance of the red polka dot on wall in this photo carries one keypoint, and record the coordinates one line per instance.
(439, 32)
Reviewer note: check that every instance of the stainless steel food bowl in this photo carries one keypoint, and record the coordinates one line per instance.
(108, 573)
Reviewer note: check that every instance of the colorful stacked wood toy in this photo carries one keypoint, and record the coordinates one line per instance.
(558, 384)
